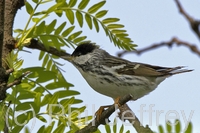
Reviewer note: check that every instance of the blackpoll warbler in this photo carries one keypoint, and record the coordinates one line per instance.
(116, 77)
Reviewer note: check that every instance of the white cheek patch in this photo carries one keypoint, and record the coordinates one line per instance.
(82, 59)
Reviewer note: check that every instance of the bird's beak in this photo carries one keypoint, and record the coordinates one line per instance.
(68, 58)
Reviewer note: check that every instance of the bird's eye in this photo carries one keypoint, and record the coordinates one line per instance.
(79, 54)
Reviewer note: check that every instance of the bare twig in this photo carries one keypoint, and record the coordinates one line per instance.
(9, 71)
(170, 43)
(34, 44)
(92, 126)
(18, 80)
(193, 23)
(126, 112)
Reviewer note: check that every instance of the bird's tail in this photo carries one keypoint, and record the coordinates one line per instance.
(177, 70)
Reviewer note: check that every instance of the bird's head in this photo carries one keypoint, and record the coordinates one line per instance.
(84, 49)
(82, 53)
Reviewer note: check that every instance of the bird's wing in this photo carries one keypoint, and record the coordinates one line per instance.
(140, 69)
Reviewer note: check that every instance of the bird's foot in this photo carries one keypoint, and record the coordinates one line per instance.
(100, 111)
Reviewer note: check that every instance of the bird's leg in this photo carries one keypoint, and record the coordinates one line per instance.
(117, 102)
(102, 108)
(100, 111)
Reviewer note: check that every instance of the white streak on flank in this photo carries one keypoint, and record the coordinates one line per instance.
(136, 66)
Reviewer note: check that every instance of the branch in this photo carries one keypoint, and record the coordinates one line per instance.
(9, 71)
(34, 44)
(18, 80)
(193, 23)
(170, 43)
(126, 112)
(1, 27)
(10, 9)
(92, 126)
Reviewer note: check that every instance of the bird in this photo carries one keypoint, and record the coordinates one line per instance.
(116, 77)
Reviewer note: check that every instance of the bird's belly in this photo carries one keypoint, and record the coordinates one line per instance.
(120, 86)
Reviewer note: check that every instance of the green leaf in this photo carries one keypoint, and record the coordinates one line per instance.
(17, 129)
(110, 20)
(107, 127)
(18, 64)
(42, 53)
(25, 96)
(54, 98)
(41, 28)
(49, 64)
(74, 114)
(121, 129)
(41, 118)
(121, 35)
(51, 26)
(18, 31)
(169, 126)
(49, 128)
(46, 76)
(33, 70)
(79, 17)
(160, 128)
(39, 13)
(74, 35)
(29, 8)
(96, 7)
(66, 102)
(46, 99)
(53, 104)
(35, 20)
(25, 117)
(46, 1)
(59, 13)
(88, 20)
(53, 8)
(56, 42)
(46, 58)
(116, 31)
(101, 14)
(55, 85)
(72, 3)
(189, 128)
(96, 24)
(66, 93)
(70, 16)
(68, 31)
(79, 39)
(41, 130)
(83, 4)
(75, 101)
(30, 33)
(60, 28)
(39, 89)
(115, 126)
(35, 1)
(178, 126)
(114, 26)
(37, 101)
(24, 106)
(59, 129)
